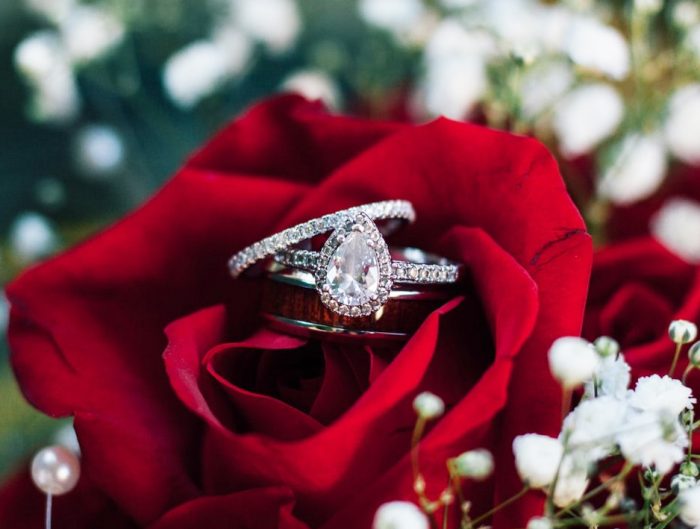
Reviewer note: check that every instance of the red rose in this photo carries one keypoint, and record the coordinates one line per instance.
(225, 424)
(637, 288)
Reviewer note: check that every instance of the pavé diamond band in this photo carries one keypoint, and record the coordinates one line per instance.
(268, 247)
(415, 267)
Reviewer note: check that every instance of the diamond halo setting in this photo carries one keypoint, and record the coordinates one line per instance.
(353, 272)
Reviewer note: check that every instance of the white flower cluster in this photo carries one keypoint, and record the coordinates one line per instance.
(199, 69)
(643, 424)
(47, 58)
(574, 58)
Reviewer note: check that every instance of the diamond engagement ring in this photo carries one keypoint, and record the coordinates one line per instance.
(353, 272)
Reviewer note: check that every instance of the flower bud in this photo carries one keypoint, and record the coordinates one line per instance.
(682, 331)
(688, 468)
(681, 482)
(694, 354)
(606, 346)
(475, 464)
(573, 361)
(400, 515)
(689, 506)
(428, 406)
(539, 522)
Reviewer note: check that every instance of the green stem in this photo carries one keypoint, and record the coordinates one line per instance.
(497, 508)
(676, 356)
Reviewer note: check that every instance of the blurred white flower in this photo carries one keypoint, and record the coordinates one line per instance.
(682, 126)
(612, 378)
(313, 84)
(572, 360)
(537, 458)
(591, 428)
(4, 313)
(276, 23)
(649, 7)
(195, 72)
(42, 60)
(53, 10)
(428, 405)
(593, 45)
(455, 63)
(676, 225)
(452, 38)
(475, 464)
(682, 482)
(637, 171)
(90, 31)
(454, 85)
(236, 45)
(32, 237)
(689, 506)
(400, 515)
(519, 24)
(571, 483)
(539, 522)
(543, 85)
(653, 439)
(38, 54)
(393, 15)
(661, 394)
(586, 116)
(686, 13)
(692, 40)
(99, 150)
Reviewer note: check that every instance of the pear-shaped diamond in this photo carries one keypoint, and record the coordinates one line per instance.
(353, 270)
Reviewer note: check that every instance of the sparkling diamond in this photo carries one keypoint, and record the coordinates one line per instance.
(353, 270)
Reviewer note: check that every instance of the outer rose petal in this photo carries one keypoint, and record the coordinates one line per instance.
(253, 509)
(87, 327)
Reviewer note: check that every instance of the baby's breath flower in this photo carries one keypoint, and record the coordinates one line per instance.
(592, 426)
(694, 354)
(689, 505)
(661, 394)
(475, 464)
(572, 361)
(653, 438)
(682, 331)
(428, 406)
(606, 346)
(682, 482)
(537, 458)
(539, 522)
(612, 378)
(689, 468)
(400, 515)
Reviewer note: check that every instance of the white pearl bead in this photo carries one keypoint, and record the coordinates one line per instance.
(55, 470)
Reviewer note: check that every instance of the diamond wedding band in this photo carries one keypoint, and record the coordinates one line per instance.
(268, 247)
(353, 272)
